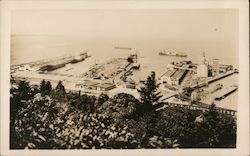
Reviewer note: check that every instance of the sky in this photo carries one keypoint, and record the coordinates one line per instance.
(214, 31)
(156, 23)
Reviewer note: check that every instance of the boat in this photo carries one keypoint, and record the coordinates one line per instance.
(79, 58)
(216, 88)
(51, 67)
(76, 60)
(172, 54)
(123, 48)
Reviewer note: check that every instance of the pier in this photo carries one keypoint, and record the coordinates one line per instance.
(52, 63)
(212, 79)
(226, 92)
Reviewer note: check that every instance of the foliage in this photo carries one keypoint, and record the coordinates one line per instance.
(102, 99)
(62, 120)
(45, 87)
(120, 107)
(20, 92)
(85, 103)
(216, 130)
(150, 97)
(23, 90)
(59, 93)
(32, 123)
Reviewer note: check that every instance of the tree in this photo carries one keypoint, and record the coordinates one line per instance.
(211, 119)
(150, 97)
(216, 129)
(23, 90)
(85, 103)
(45, 87)
(60, 87)
(32, 127)
(60, 93)
(120, 107)
(48, 87)
(178, 123)
(101, 99)
(227, 132)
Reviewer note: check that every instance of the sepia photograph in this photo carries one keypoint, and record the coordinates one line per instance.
(124, 78)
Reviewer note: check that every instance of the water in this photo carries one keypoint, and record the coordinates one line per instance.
(31, 48)
(231, 100)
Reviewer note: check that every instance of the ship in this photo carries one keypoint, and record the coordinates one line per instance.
(79, 58)
(216, 88)
(51, 67)
(59, 63)
(122, 48)
(172, 54)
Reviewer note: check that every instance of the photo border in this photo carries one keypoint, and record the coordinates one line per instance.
(242, 147)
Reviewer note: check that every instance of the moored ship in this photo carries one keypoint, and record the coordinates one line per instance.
(61, 62)
(79, 58)
(216, 88)
(172, 54)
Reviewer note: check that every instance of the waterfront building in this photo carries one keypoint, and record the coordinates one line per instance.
(225, 68)
(194, 95)
(215, 66)
(96, 85)
(26, 67)
(105, 86)
(202, 68)
(166, 77)
(173, 77)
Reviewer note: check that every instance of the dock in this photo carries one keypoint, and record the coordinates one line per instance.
(226, 92)
(212, 79)
(60, 61)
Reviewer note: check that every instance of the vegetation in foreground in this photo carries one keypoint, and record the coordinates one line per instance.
(46, 118)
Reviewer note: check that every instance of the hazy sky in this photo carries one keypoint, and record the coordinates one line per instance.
(214, 31)
(209, 24)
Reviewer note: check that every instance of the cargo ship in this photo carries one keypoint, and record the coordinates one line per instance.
(51, 67)
(122, 48)
(79, 58)
(216, 88)
(62, 62)
(172, 54)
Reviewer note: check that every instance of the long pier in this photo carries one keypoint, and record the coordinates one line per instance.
(226, 92)
(54, 60)
(212, 79)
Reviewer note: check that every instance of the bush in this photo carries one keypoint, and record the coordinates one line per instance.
(71, 121)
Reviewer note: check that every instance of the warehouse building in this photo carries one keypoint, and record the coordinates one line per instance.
(95, 85)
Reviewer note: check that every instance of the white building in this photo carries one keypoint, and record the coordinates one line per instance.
(26, 67)
(202, 68)
(166, 77)
(194, 95)
(216, 66)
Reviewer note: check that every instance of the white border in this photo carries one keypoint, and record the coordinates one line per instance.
(243, 104)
